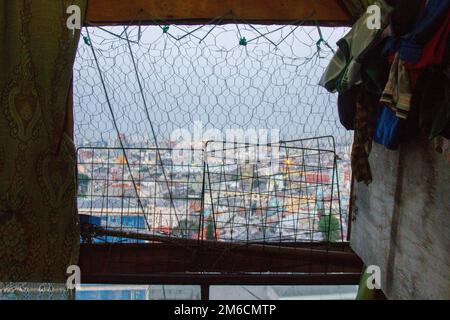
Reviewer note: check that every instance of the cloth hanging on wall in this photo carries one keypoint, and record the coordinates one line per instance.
(387, 131)
(417, 93)
(411, 46)
(374, 74)
(39, 233)
(365, 122)
(432, 99)
(405, 16)
(343, 71)
(398, 91)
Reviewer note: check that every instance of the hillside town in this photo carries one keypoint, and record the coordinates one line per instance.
(304, 197)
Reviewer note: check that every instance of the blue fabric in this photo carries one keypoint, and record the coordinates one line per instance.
(392, 46)
(411, 46)
(387, 132)
(87, 219)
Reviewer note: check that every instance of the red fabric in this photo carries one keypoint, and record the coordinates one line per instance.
(391, 57)
(414, 76)
(433, 53)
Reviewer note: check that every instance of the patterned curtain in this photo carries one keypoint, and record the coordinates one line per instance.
(39, 235)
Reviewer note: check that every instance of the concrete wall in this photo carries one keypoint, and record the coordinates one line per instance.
(402, 221)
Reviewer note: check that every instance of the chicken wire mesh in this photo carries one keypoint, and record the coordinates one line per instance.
(143, 93)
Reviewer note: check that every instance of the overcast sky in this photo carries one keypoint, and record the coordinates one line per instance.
(208, 77)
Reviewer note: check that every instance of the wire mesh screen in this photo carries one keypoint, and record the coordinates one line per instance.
(146, 96)
(143, 200)
(283, 192)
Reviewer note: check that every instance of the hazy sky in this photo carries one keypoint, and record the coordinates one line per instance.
(207, 76)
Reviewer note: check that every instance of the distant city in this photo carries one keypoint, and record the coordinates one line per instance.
(304, 197)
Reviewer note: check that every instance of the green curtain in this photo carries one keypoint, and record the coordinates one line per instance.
(39, 235)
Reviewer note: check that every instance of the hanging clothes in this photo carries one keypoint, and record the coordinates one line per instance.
(432, 99)
(365, 122)
(374, 74)
(434, 51)
(404, 92)
(432, 95)
(388, 127)
(343, 72)
(375, 69)
(398, 92)
(411, 46)
(347, 107)
(395, 102)
(405, 16)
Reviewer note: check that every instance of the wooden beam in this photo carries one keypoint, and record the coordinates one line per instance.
(151, 258)
(224, 279)
(297, 250)
(120, 12)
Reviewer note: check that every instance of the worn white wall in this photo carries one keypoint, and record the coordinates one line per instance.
(402, 221)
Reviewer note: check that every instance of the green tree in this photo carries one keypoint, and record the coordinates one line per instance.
(210, 229)
(329, 226)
